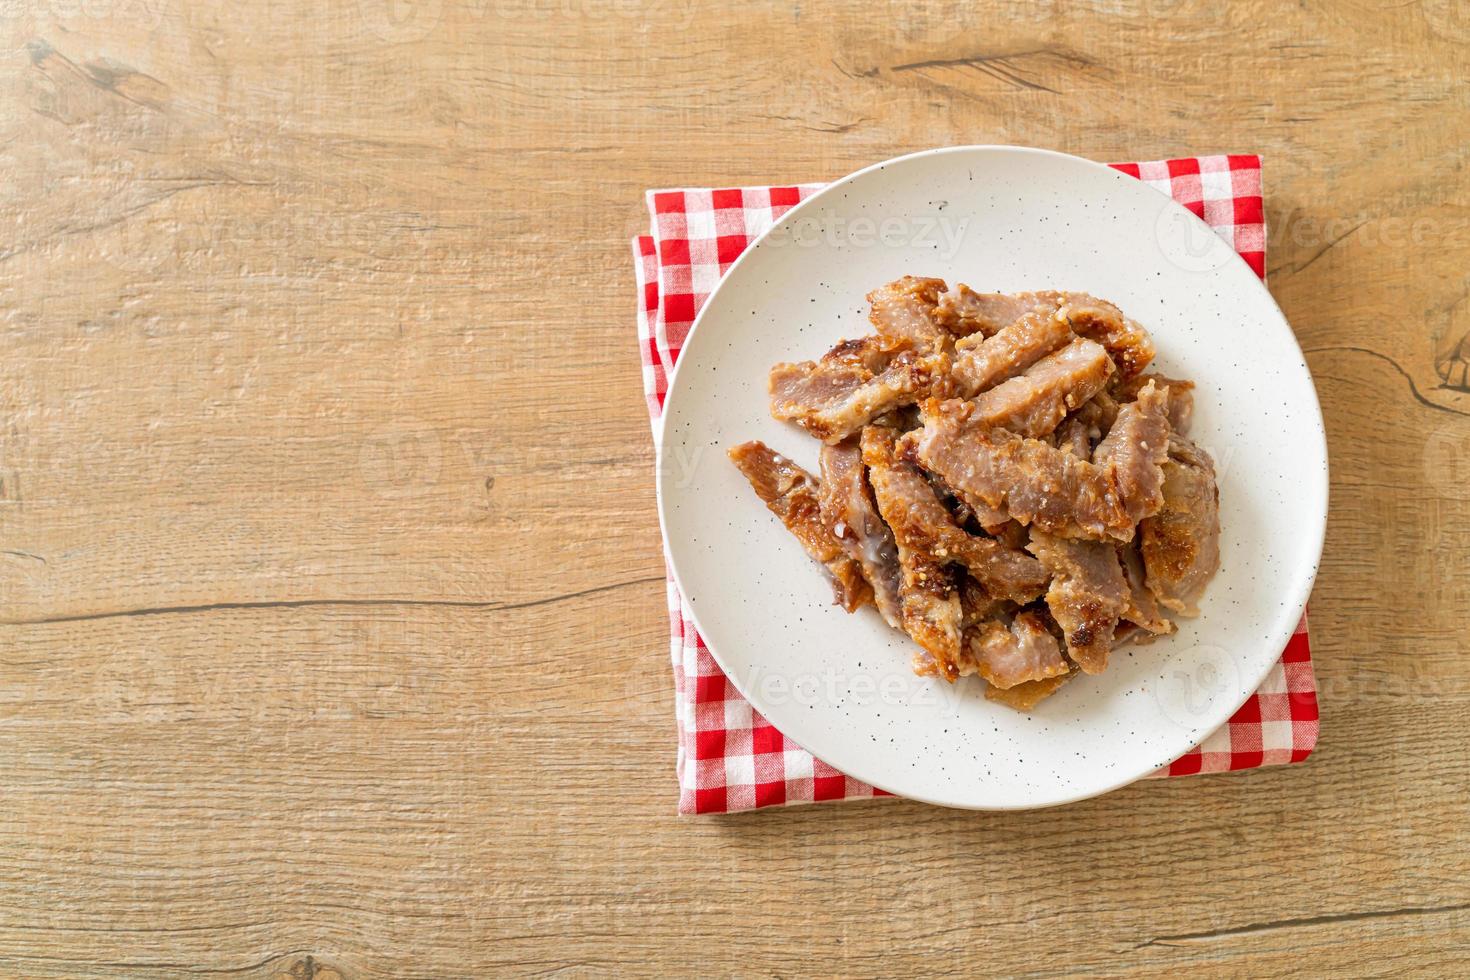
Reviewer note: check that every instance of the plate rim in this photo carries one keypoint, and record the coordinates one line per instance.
(1298, 603)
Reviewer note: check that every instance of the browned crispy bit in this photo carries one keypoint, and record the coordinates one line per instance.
(930, 611)
(983, 362)
(990, 313)
(1135, 449)
(1098, 414)
(976, 604)
(1028, 480)
(1128, 343)
(1087, 597)
(968, 312)
(1024, 697)
(1012, 534)
(792, 494)
(921, 524)
(905, 308)
(852, 384)
(1181, 398)
(849, 513)
(1009, 655)
(1143, 606)
(1180, 544)
(1074, 436)
(1034, 403)
(962, 512)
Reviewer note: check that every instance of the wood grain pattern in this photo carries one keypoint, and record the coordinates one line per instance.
(331, 619)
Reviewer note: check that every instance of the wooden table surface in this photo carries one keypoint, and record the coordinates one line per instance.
(334, 640)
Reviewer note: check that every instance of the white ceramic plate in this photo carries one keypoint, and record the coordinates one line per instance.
(1007, 219)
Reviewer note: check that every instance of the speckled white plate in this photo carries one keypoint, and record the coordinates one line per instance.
(997, 218)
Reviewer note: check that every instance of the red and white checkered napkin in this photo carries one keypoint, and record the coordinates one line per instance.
(730, 758)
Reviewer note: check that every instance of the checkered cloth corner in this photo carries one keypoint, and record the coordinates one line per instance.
(730, 758)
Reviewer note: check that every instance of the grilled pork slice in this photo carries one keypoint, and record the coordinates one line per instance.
(1098, 415)
(1181, 398)
(968, 312)
(1024, 697)
(988, 314)
(905, 309)
(792, 494)
(964, 510)
(1143, 607)
(1034, 403)
(852, 384)
(983, 362)
(1075, 436)
(976, 604)
(1032, 482)
(1180, 544)
(1130, 634)
(1087, 597)
(1013, 534)
(1007, 656)
(930, 612)
(1128, 344)
(851, 516)
(1135, 450)
(923, 525)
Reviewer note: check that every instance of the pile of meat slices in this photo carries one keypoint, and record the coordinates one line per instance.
(1001, 478)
